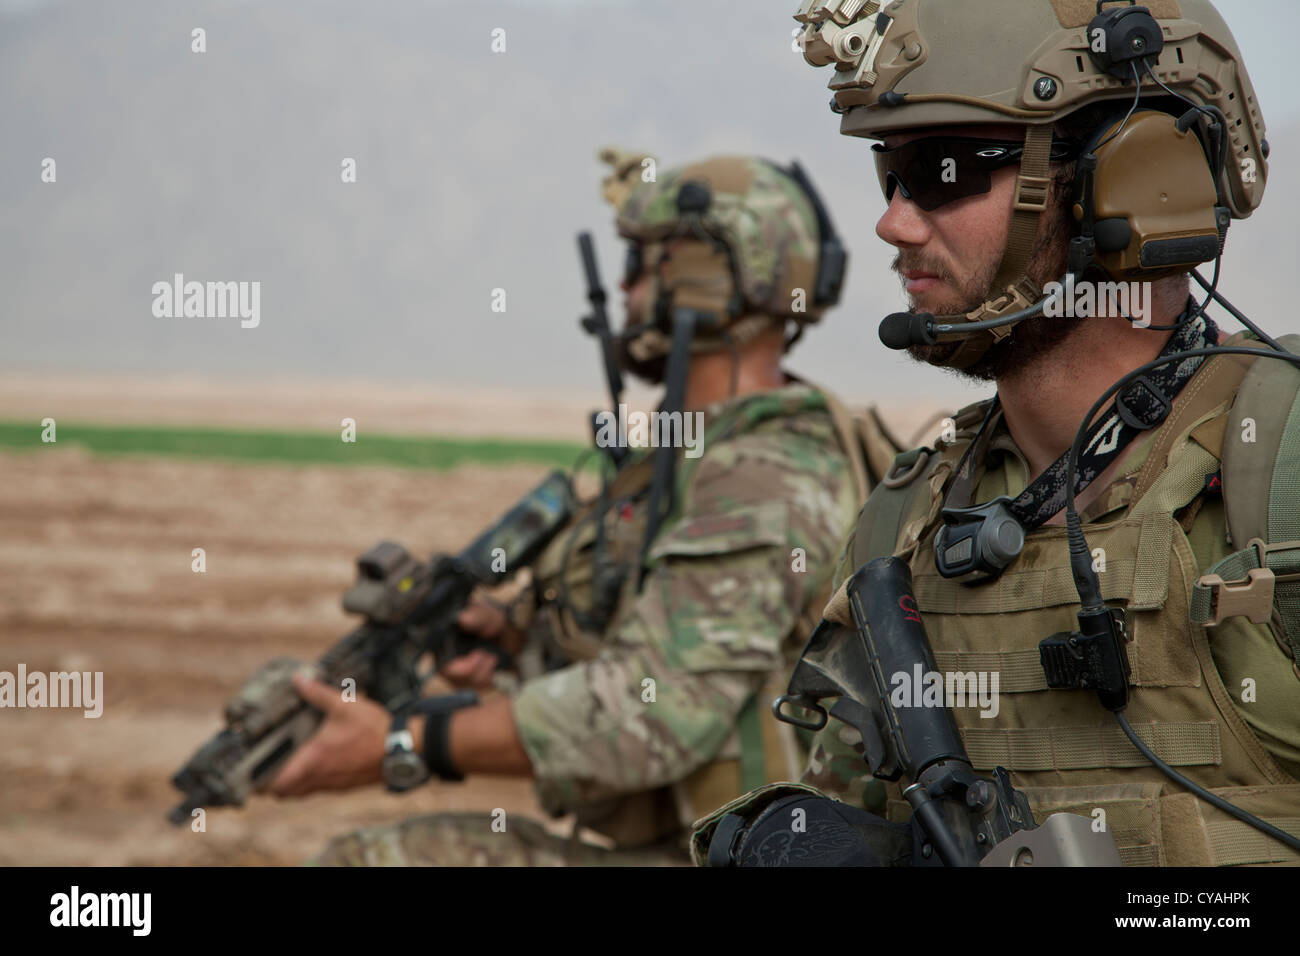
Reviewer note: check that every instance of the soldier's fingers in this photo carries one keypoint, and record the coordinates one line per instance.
(289, 781)
(470, 670)
(321, 696)
(481, 619)
(484, 668)
(458, 670)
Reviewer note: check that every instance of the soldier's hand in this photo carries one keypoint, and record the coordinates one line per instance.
(489, 622)
(347, 749)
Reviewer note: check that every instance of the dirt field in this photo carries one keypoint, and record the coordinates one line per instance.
(95, 575)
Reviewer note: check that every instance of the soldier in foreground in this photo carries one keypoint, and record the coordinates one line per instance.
(674, 598)
(1114, 144)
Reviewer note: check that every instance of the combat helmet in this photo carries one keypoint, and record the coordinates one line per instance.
(767, 250)
(1153, 193)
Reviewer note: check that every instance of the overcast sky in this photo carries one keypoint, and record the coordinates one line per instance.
(474, 171)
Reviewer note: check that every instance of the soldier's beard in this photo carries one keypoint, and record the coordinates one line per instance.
(1030, 340)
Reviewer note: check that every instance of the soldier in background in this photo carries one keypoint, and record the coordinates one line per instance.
(672, 634)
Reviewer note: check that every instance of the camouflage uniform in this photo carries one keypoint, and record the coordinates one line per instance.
(719, 613)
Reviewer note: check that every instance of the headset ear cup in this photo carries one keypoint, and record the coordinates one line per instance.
(832, 257)
(1154, 187)
(831, 263)
(1085, 190)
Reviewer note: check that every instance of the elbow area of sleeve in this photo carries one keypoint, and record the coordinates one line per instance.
(624, 723)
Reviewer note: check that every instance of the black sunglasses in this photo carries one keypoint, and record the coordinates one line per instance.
(937, 170)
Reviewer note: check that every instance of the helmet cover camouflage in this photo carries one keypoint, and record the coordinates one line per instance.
(758, 212)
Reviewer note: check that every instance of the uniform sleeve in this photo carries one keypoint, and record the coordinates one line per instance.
(760, 524)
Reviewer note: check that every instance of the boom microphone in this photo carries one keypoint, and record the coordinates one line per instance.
(904, 329)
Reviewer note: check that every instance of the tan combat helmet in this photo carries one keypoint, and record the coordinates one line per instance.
(1165, 197)
(768, 251)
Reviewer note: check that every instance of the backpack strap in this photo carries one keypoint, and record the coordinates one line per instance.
(1261, 491)
(881, 522)
(879, 530)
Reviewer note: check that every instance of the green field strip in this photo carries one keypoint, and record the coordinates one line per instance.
(322, 448)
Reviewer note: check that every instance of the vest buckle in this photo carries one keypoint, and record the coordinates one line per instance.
(1251, 596)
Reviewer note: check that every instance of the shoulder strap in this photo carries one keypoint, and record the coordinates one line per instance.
(880, 522)
(1261, 490)
(1211, 388)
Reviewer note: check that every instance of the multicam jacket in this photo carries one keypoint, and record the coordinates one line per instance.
(659, 719)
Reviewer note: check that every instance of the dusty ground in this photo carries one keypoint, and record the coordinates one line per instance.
(95, 576)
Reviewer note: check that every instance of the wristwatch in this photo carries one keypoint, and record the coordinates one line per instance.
(404, 769)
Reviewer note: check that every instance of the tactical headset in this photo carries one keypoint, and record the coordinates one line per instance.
(832, 257)
(1147, 195)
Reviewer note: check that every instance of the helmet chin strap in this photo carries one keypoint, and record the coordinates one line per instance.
(1033, 191)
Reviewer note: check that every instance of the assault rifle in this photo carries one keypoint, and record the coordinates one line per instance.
(963, 818)
(410, 610)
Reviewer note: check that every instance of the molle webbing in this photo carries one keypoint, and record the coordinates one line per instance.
(1153, 827)
(1020, 670)
(1179, 744)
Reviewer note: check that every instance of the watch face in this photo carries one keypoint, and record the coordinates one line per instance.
(404, 771)
(403, 768)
